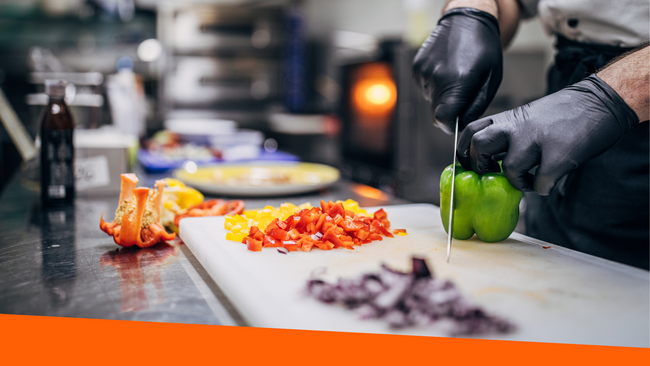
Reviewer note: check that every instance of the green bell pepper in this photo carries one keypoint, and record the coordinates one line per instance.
(487, 205)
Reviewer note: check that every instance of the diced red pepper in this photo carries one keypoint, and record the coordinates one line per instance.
(380, 214)
(283, 224)
(382, 229)
(349, 225)
(349, 244)
(215, 207)
(302, 230)
(332, 236)
(367, 220)
(375, 236)
(271, 242)
(324, 206)
(319, 223)
(253, 244)
(345, 238)
(296, 219)
(271, 226)
(306, 243)
(291, 245)
(337, 209)
(326, 245)
(279, 234)
(289, 223)
(307, 218)
(362, 234)
(256, 233)
(327, 224)
(294, 234)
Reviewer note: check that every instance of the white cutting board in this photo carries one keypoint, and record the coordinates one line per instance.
(552, 295)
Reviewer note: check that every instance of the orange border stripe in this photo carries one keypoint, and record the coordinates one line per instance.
(50, 340)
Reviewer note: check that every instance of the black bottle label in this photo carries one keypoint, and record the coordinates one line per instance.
(57, 159)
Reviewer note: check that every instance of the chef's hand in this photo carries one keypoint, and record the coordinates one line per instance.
(557, 133)
(460, 66)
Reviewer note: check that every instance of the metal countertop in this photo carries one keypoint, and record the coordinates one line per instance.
(55, 261)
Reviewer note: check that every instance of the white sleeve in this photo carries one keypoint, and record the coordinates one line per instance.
(527, 8)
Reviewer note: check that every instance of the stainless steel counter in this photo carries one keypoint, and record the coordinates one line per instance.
(57, 262)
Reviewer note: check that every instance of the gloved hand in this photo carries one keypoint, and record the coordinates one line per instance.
(460, 66)
(558, 132)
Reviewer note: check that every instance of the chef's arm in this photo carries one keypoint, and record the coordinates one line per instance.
(506, 11)
(629, 76)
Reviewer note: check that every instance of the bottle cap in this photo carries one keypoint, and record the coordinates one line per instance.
(55, 88)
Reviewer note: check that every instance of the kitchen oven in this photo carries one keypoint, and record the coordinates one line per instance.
(388, 140)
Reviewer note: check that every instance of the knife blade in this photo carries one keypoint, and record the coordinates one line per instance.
(451, 196)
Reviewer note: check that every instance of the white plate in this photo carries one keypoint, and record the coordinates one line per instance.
(259, 179)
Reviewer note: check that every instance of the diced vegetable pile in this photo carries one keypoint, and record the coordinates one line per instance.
(332, 225)
(404, 299)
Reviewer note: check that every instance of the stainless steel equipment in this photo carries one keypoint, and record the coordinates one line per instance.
(222, 61)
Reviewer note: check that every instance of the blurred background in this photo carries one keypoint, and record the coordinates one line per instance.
(233, 80)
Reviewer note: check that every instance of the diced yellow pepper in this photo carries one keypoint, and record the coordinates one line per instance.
(353, 206)
(304, 205)
(264, 222)
(240, 225)
(288, 207)
(236, 237)
(171, 182)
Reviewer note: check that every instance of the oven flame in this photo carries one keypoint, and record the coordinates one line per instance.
(375, 96)
(373, 90)
(378, 94)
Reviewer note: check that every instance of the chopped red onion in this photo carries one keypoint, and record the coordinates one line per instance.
(409, 299)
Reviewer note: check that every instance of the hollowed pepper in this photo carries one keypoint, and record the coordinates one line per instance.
(137, 218)
(487, 205)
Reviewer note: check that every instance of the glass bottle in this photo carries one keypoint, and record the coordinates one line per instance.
(57, 150)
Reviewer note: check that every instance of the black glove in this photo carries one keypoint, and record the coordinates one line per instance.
(460, 66)
(558, 132)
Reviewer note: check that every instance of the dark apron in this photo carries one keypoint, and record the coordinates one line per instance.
(602, 207)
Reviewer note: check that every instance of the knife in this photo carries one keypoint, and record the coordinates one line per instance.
(451, 196)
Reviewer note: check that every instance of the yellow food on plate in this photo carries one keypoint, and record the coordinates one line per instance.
(176, 199)
(239, 225)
